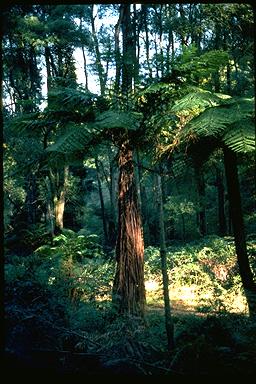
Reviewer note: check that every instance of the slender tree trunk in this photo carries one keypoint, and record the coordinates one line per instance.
(97, 54)
(49, 206)
(221, 203)
(128, 52)
(136, 47)
(145, 23)
(85, 68)
(84, 56)
(143, 199)
(104, 221)
(201, 196)
(31, 199)
(113, 201)
(167, 308)
(128, 287)
(156, 53)
(249, 285)
(117, 51)
(59, 202)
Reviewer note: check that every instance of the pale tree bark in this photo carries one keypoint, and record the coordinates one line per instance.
(59, 197)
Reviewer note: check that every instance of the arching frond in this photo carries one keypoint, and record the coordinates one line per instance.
(231, 122)
(241, 136)
(197, 100)
(79, 137)
(71, 97)
(117, 120)
(75, 139)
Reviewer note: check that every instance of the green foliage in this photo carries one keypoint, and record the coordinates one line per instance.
(210, 115)
(35, 235)
(200, 68)
(76, 247)
(116, 120)
(179, 205)
(208, 265)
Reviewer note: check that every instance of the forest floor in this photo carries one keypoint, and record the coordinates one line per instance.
(47, 331)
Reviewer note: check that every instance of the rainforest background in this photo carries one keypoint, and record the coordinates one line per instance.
(129, 188)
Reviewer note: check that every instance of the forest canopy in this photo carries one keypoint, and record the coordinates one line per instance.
(129, 180)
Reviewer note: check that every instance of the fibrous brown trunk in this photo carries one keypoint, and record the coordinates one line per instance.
(249, 285)
(128, 288)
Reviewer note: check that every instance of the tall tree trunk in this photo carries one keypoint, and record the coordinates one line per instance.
(117, 51)
(99, 65)
(128, 288)
(128, 51)
(144, 11)
(85, 68)
(84, 56)
(49, 206)
(136, 46)
(59, 201)
(113, 200)
(221, 202)
(200, 184)
(143, 199)
(31, 199)
(249, 285)
(104, 221)
(167, 308)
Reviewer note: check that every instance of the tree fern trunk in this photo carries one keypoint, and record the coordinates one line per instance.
(238, 228)
(128, 288)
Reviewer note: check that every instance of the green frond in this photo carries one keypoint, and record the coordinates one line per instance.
(214, 121)
(117, 120)
(75, 139)
(211, 122)
(71, 97)
(241, 136)
(197, 100)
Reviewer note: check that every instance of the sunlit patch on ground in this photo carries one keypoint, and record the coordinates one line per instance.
(189, 298)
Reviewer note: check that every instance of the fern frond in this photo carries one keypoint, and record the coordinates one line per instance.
(197, 100)
(117, 120)
(214, 121)
(71, 97)
(75, 139)
(241, 136)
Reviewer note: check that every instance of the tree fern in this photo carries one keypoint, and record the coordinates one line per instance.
(117, 120)
(75, 139)
(241, 136)
(198, 99)
(81, 137)
(217, 116)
